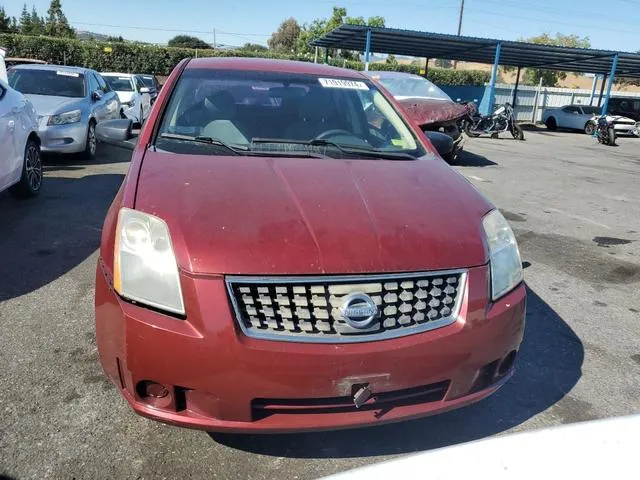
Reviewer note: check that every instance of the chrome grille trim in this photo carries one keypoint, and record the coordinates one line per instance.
(318, 328)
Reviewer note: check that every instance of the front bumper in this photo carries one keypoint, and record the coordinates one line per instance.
(70, 138)
(626, 129)
(220, 380)
(132, 113)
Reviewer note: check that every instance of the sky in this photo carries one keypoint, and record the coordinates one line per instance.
(240, 21)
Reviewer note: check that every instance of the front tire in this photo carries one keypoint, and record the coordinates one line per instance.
(551, 124)
(517, 132)
(612, 137)
(31, 178)
(589, 128)
(91, 146)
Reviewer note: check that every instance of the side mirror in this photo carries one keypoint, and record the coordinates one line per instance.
(96, 95)
(442, 142)
(116, 132)
(144, 90)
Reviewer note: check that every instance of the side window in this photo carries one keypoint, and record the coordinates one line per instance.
(571, 110)
(103, 85)
(93, 83)
(138, 83)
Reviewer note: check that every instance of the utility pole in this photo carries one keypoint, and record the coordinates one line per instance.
(455, 62)
(214, 38)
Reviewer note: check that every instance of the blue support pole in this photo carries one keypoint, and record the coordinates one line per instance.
(367, 50)
(492, 84)
(612, 77)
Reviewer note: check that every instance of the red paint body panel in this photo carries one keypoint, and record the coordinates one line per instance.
(425, 111)
(223, 371)
(297, 216)
(254, 215)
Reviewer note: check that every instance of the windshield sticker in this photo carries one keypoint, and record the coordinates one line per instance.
(123, 78)
(67, 74)
(345, 84)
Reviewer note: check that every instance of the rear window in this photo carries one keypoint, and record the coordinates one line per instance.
(119, 84)
(57, 83)
(249, 107)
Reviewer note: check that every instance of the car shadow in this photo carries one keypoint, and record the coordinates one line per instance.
(105, 155)
(45, 237)
(548, 366)
(469, 159)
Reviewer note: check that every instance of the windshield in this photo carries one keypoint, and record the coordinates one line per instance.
(591, 110)
(57, 83)
(119, 84)
(148, 81)
(283, 112)
(412, 86)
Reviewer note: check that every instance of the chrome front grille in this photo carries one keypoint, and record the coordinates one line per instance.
(310, 309)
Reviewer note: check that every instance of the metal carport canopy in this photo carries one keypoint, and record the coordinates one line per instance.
(481, 50)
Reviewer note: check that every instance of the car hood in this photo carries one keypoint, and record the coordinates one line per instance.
(124, 96)
(50, 105)
(257, 215)
(425, 111)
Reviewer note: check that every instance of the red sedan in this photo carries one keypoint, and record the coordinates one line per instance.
(275, 263)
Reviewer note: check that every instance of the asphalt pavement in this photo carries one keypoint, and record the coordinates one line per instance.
(574, 205)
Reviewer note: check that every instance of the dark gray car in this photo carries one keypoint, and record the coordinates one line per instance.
(69, 101)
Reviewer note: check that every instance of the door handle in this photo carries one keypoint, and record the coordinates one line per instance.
(11, 125)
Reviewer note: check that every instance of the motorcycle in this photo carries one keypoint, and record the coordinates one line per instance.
(502, 120)
(602, 128)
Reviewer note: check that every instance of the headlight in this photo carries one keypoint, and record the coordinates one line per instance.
(506, 266)
(145, 268)
(65, 118)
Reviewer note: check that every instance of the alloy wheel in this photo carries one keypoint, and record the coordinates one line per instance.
(33, 167)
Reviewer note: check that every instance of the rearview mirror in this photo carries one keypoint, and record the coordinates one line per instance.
(96, 95)
(442, 142)
(144, 90)
(116, 132)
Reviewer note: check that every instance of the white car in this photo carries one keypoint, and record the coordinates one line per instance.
(579, 117)
(132, 93)
(20, 162)
(598, 449)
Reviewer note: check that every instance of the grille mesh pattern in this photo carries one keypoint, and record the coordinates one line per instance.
(309, 310)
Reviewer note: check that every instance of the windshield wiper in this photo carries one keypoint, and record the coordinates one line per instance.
(321, 142)
(240, 149)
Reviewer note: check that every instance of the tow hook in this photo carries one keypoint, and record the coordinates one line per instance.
(362, 394)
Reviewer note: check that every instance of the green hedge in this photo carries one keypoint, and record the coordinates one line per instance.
(143, 58)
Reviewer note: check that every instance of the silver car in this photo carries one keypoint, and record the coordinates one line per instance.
(69, 101)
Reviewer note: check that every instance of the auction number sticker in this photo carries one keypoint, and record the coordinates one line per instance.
(67, 74)
(341, 83)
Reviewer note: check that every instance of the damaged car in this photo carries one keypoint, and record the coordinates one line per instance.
(427, 105)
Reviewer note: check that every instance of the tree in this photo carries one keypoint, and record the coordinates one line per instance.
(115, 39)
(186, 41)
(25, 21)
(550, 78)
(286, 37)
(57, 24)
(37, 22)
(7, 24)
(322, 26)
(253, 47)
(391, 60)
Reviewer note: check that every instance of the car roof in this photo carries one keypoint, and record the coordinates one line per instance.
(270, 65)
(60, 68)
(116, 74)
(385, 74)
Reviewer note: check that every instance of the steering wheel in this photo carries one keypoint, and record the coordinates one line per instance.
(333, 133)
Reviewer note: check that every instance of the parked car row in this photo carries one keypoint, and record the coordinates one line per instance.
(71, 101)
(584, 118)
